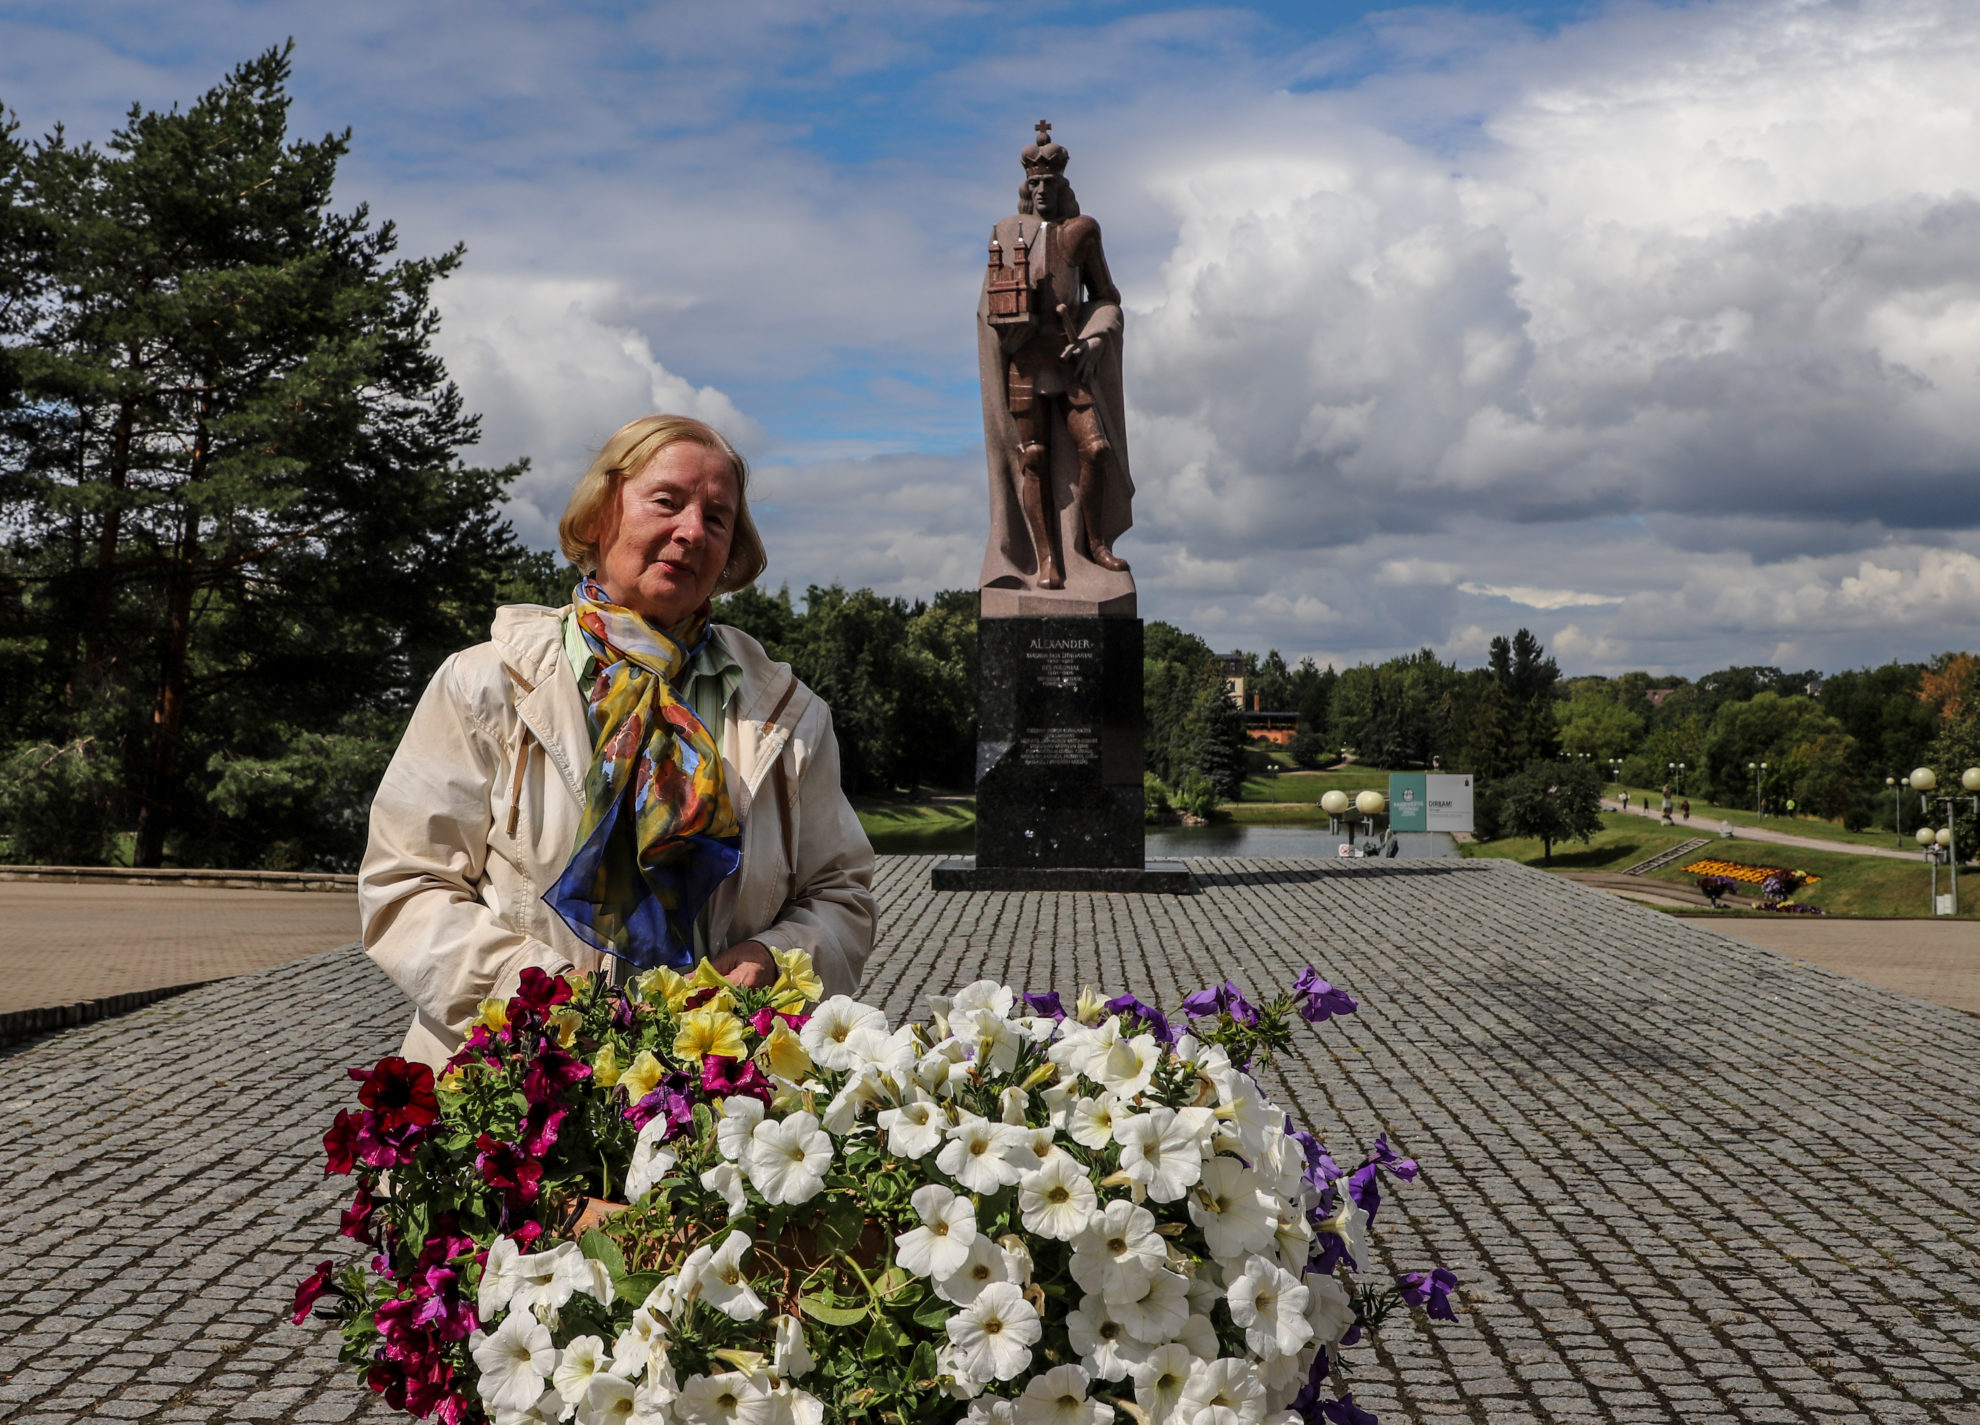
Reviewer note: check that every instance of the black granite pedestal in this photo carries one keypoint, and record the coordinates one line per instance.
(1058, 761)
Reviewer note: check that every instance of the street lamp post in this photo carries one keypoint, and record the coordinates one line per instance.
(1759, 771)
(1945, 844)
(1899, 786)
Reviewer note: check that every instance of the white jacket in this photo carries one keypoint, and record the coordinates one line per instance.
(480, 806)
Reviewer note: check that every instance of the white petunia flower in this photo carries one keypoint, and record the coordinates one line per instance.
(1092, 1121)
(915, 1128)
(608, 1400)
(1014, 1105)
(960, 1385)
(581, 1360)
(786, 1159)
(1106, 1347)
(1057, 1199)
(862, 1090)
(548, 1410)
(985, 995)
(871, 1047)
(501, 1274)
(1329, 1308)
(656, 1394)
(651, 1161)
(1225, 1391)
(976, 1155)
(740, 1115)
(1032, 1148)
(994, 1411)
(1158, 1313)
(1159, 1380)
(985, 1264)
(1127, 1065)
(993, 1041)
(641, 1343)
(1058, 1397)
(718, 1276)
(545, 1281)
(1293, 1236)
(994, 1334)
(727, 1179)
(824, 1035)
(1018, 1256)
(1237, 1219)
(730, 1398)
(576, 1272)
(791, 1406)
(1162, 1150)
(516, 1361)
(941, 1244)
(1059, 1100)
(1117, 1251)
(1350, 1224)
(1269, 1304)
(789, 1357)
(1199, 1336)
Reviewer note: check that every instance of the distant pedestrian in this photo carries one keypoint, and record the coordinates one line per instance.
(1685, 807)
(1726, 830)
(1625, 803)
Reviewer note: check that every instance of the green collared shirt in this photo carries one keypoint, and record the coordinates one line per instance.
(709, 684)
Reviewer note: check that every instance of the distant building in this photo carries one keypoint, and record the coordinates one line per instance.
(1275, 727)
(1232, 667)
(1656, 696)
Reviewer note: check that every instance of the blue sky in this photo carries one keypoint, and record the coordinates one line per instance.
(1652, 326)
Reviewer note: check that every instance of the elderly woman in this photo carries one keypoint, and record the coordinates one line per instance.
(619, 782)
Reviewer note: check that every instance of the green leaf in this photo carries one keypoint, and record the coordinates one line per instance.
(637, 1286)
(823, 1309)
(932, 1312)
(839, 1227)
(882, 1340)
(600, 1248)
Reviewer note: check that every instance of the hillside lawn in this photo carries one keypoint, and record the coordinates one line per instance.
(1874, 886)
(1707, 816)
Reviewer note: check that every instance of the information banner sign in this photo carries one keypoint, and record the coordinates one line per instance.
(1448, 798)
(1409, 801)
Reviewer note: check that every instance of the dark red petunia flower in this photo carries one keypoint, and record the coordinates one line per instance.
(341, 1142)
(723, 1076)
(356, 1220)
(503, 1166)
(539, 993)
(538, 1134)
(550, 1073)
(399, 1093)
(313, 1286)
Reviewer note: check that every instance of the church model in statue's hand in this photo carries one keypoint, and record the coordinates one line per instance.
(1054, 427)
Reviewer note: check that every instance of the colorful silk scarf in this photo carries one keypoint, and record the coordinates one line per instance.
(658, 833)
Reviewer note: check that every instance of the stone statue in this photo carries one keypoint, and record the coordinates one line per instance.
(1054, 427)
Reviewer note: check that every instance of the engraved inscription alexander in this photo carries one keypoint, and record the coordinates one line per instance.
(1059, 747)
(1067, 663)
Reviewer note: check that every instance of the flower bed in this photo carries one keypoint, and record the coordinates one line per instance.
(1012, 1213)
(1751, 875)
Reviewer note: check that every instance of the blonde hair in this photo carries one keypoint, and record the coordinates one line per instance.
(632, 446)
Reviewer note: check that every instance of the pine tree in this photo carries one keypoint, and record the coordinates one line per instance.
(233, 493)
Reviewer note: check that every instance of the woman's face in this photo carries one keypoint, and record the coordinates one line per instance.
(667, 540)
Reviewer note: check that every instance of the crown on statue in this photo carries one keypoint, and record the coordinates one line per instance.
(1044, 155)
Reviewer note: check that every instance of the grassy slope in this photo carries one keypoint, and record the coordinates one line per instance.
(1711, 814)
(1850, 885)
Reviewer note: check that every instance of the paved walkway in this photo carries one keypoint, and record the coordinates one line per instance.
(1683, 1179)
(1702, 825)
(1938, 960)
(64, 944)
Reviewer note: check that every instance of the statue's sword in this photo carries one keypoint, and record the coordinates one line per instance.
(1072, 339)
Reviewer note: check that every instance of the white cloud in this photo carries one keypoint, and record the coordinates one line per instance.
(1538, 598)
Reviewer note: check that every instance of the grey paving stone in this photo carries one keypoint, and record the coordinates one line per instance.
(1681, 1178)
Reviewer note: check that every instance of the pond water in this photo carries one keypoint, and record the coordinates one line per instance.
(1166, 842)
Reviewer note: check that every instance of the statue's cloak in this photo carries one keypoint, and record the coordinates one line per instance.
(1010, 565)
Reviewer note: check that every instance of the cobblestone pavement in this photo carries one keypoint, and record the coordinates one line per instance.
(1938, 960)
(1681, 1178)
(62, 944)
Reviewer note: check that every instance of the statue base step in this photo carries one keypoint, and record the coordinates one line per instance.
(1156, 878)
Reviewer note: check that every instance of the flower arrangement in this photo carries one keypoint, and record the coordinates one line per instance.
(1749, 875)
(1717, 888)
(682, 1202)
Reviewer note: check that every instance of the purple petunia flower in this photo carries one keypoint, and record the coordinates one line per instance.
(671, 1099)
(1383, 1156)
(1430, 1290)
(1320, 1001)
(1321, 1169)
(540, 1125)
(1345, 1412)
(1045, 1004)
(1220, 999)
(1152, 1019)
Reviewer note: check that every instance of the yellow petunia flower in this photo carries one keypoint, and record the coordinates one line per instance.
(565, 1022)
(494, 1014)
(449, 1082)
(605, 1066)
(796, 975)
(707, 977)
(710, 1031)
(664, 986)
(642, 1076)
(784, 1054)
(1092, 1006)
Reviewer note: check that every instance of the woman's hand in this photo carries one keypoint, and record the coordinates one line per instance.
(747, 963)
